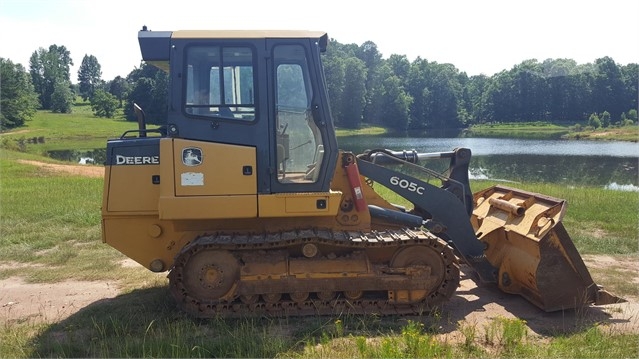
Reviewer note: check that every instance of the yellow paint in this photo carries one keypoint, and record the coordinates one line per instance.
(298, 204)
(221, 170)
(208, 207)
(130, 188)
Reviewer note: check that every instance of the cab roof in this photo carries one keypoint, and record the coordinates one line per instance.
(155, 45)
(246, 34)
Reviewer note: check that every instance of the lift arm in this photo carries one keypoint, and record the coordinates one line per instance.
(449, 205)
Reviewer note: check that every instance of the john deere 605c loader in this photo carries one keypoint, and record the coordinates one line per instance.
(244, 197)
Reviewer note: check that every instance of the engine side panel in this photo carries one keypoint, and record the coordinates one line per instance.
(132, 176)
(213, 169)
(203, 180)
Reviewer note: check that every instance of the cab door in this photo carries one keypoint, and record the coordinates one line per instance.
(302, 137)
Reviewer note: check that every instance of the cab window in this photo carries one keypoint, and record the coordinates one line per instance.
(220, 82)
(299, 142)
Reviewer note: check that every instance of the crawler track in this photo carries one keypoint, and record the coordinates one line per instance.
(314, 272)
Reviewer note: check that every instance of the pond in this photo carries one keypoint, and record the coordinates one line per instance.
(610, 164)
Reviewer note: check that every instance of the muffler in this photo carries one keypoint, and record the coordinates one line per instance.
(526, 240)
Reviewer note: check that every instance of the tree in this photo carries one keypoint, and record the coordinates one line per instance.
(334, 71)
(62, 97)
(396, 104)
(119, 88)
(160, 104)
(89, 76)
(141, 95)
(594, 121)
(372, 59)
(47, 69)
(354, 93)
(475, 103)
(437, 95)
(103, 104)
(608, 91)
(564, 89)
(630, 75)
(149, 90)
(605, 119)
(444, 102)
(400, 66)
(18, 99)
(417, 88)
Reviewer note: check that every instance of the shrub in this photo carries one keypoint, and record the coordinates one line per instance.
(104, 104)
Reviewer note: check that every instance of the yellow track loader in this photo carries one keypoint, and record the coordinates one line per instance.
(244, 197)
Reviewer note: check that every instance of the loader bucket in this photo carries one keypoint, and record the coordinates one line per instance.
(526, 240)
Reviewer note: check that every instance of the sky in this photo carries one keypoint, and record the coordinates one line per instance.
(476, 36)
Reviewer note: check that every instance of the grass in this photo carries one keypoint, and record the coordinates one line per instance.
(50, 231)
(80, 130)
(143, 324)
(545, 130)
(626, 133)
(50, 226)
(535, 130)
(363, 130)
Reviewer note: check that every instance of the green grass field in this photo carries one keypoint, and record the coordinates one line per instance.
(50, 232)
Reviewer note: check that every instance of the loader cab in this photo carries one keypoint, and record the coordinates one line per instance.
(261, 89)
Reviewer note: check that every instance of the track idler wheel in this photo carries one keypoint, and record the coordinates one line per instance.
(210, 275)
(435, 264)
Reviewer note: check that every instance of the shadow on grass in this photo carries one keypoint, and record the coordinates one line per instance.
(146, 322)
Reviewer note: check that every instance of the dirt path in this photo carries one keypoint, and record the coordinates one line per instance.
(83, 170)
(49, 302)
(14, 132)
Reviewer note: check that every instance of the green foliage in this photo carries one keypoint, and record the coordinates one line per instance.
(149, 91)
(62, 97)
(119, 88)
(594, 121)
(605, 119)
(354, 93)
(49, 68)
(18, 99)
(104, 104)
(595, 344)
(509, 336)
(396, 102)
(440, 96)
(577, 127)
(89, 76)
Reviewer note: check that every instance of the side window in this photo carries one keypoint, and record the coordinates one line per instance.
(299, 142)
(220, 82)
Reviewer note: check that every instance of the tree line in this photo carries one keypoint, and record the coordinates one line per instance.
(363, 87)
(401, 94)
